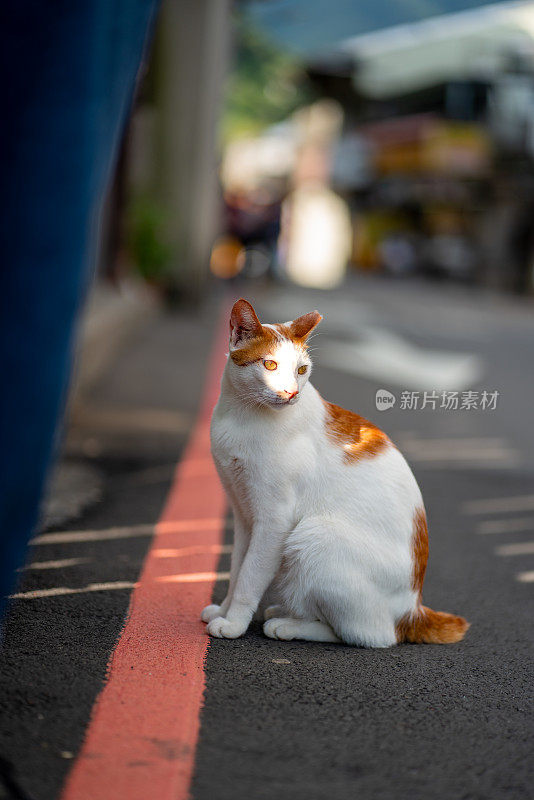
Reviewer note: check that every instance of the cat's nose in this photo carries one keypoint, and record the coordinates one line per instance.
(288, 394)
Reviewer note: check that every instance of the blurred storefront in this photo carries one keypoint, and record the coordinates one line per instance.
(432, 153)
(454, 155)
(424, 163)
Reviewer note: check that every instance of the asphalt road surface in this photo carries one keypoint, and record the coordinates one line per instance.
(295, 720)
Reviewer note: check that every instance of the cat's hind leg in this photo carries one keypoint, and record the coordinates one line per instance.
(287, 628)
(331, 575)
(273, 611)
(358, 623)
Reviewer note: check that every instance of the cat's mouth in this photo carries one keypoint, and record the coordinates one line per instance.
(280, 403)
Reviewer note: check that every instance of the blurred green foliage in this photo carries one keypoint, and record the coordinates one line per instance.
(265, 84)
(146, 242)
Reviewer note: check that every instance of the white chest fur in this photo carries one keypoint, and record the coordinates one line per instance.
(270, 457)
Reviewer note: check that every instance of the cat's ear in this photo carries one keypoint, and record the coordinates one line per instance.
(244, 324)
(303, 326)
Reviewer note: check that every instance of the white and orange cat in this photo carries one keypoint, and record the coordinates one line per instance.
(328, 515)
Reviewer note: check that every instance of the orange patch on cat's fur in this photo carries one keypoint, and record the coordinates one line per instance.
(299, 330)
(356, 436)
(419, 550)
(261, 346)
(426, 625)
(257, 348)
(431, 627)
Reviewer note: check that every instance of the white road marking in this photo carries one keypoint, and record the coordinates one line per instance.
(59, 591)
(386, 356)
(483, 452)
(93, 536)
(499, 505)
(165, 526)
(62, 562)
(506, 525)
(516, 549)
(525, 577)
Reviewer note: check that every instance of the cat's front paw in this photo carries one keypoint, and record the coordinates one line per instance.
(224, 629)
(211, 612)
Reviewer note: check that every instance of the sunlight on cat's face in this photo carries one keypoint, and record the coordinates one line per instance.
(269, 365)
(276, 378)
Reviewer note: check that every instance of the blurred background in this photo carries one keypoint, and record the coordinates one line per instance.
(302, 140)
(376, 162)
(373, 160)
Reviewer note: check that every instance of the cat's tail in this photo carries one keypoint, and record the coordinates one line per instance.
(432, 627)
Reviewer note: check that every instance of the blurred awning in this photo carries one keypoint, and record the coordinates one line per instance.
(400, 45)
(310, 27)
(472, 45)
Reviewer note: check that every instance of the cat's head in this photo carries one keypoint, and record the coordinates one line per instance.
(269, 364)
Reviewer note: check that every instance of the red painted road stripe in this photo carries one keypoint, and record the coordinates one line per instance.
(140, 742)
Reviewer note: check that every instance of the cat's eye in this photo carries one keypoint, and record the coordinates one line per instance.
(301, 370)
(270, 364)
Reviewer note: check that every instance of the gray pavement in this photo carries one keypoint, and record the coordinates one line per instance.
(306, 720)
(129, 432)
